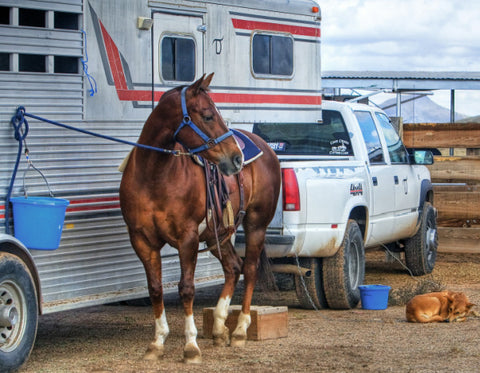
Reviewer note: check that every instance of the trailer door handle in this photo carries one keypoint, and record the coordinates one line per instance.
(375, 181)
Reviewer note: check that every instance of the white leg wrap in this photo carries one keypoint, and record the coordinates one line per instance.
(243, 323)
(220, 315)
(161, 329)
(190, 330)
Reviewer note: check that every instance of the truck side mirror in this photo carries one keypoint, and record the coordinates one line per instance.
(423, 157)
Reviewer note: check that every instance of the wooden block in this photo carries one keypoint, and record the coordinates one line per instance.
(267, 322)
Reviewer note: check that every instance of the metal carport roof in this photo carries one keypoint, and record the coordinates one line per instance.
(402, 80)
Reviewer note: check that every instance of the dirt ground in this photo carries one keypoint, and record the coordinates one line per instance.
(113, 338)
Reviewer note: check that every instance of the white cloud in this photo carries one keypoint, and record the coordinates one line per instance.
(404, 35)
(400, 35)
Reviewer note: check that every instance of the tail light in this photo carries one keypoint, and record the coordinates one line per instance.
(291, 195)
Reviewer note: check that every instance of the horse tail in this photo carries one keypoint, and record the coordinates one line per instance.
(266, 279)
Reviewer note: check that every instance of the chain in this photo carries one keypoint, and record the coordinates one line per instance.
(304, 285)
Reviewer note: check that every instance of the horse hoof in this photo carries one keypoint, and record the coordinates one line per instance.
(192, 354)
(153, 352)
(238, 341)
(222, 340)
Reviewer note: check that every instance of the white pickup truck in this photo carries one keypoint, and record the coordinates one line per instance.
(348, 184)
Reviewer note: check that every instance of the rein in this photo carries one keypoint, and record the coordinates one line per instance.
(187, 122)
(219, 209)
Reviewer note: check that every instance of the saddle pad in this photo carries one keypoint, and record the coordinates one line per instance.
(249, 149)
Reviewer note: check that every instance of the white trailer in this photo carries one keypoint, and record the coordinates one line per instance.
(101, 65)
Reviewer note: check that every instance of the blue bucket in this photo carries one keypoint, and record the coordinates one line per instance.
(38, 221)
(374, 297)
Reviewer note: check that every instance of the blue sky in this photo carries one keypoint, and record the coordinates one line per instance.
(404, 35)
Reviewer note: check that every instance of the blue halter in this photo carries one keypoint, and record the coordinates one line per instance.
(187, 121)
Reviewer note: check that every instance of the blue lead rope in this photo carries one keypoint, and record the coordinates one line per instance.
(20, 136)
(21, 114)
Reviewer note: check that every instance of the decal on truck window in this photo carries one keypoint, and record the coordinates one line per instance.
(278, 146)
(339, 147)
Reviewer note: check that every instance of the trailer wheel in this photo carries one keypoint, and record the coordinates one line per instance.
(18, 312)
(310, 291)
(421, 249)
(345, 271)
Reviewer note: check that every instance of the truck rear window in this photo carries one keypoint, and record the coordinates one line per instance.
(327, 138)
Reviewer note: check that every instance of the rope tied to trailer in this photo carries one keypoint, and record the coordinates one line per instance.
(21, 128)
(90, 78)
(21, 114)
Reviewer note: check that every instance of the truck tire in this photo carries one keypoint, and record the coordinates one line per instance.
(310, 291)
(421, 249)
(18, 312)
(345, 271)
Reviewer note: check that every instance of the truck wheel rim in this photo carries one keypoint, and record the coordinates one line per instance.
(431, 241)
(353, 267)
(13, 319)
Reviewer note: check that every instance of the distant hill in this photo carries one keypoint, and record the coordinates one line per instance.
(475, 119)
(421, 110)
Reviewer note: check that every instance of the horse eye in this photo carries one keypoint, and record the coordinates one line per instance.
(208, 118)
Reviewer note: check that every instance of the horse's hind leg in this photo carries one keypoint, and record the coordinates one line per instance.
(232, 266)
(152, 262)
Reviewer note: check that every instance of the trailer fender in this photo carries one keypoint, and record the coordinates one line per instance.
(10, 244)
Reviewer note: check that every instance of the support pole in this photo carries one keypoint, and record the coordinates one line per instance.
(452, 114)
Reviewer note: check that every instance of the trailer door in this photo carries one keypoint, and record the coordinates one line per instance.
(178, 50)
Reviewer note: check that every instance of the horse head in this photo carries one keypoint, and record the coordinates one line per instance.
(204, 131)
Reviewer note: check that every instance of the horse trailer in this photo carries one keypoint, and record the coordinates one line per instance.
(100, 66)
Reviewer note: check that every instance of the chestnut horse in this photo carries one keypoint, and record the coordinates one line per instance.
(163, 200)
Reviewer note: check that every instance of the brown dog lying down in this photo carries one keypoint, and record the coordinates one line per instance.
(446, 306)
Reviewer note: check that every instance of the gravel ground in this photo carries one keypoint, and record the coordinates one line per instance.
(113, 338)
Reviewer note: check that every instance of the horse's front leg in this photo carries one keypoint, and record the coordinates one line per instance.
(232, 266)
(152, 263)
(186, 288)
(254, 246)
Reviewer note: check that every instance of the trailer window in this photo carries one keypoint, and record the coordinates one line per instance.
(327, 138)
(4, 15)
(371, 137)
(178, 59)
(272, 55)
(32, 63)
(4, 62)
(66, 21)
(65, 64)
(31, 17)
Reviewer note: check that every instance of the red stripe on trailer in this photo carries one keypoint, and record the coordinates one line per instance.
(292, 29)
(241, 98)
(93, 204)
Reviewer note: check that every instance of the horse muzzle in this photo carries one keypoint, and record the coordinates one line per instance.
(232, 165)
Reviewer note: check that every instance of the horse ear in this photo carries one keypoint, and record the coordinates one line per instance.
(206, 82)
(201, 84)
